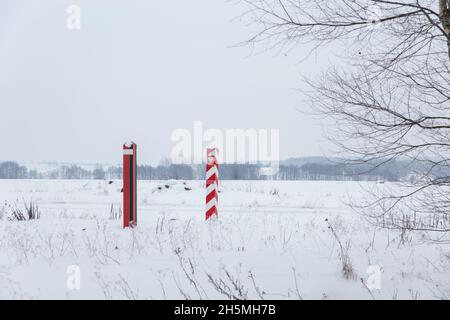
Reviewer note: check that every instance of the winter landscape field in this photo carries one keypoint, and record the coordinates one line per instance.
(272, 240)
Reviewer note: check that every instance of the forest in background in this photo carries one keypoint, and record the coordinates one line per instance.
(308, 168)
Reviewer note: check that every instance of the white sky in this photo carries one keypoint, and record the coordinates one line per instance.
(137, 70)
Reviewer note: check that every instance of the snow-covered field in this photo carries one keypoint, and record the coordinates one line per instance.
(272, 240)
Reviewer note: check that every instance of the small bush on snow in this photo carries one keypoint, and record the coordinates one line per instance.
(344, 254)
(27, 212)
(115, 214)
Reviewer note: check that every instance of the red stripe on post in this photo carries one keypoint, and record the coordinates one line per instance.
(212, 211)
(211, 195)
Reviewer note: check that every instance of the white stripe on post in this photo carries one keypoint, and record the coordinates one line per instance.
(211, 172)
(211, 188)
(211, 203)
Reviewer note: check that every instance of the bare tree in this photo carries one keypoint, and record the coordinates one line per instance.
(388, 100)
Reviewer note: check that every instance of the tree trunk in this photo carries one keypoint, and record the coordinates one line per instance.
(444, 12)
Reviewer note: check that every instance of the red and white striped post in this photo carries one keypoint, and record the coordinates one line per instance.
(212, 182)
(129, 185)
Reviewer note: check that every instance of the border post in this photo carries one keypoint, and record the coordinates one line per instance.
(129, 185)
(212, 182)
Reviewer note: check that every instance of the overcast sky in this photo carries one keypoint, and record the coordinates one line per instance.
(137, 70)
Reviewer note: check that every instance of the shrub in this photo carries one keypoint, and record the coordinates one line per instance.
(27, 212)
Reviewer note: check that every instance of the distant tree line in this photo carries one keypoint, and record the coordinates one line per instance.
(12, 170)
(393, 171)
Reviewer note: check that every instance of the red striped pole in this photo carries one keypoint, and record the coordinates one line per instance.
(129, 185)
(212, 182)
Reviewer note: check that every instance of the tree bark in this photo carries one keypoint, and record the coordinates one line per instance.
(444, 12)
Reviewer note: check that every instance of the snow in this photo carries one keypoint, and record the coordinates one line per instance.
(275, 231)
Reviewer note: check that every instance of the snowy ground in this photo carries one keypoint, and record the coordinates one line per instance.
(271, 241)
